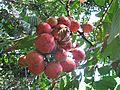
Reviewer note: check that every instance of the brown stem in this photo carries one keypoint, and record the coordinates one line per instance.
(9, 49)
(68, 8)
(105, 12)
(83, 36)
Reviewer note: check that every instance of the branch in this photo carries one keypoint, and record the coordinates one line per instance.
(105, 12)
(68, 8)
(61, 2)
(83, 36)
(10, 49)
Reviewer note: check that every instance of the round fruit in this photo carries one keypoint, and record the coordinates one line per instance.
(37, 69)
(57, 30)
(35, 62)
(66, 45)
(60, 55)
(64, 20)
(52, 21)
(60, 26)
(53, 70)
(43, 28)
(87, 27)
(78, 54)
(75, 25)
(68, 65)
(22, 61)
(45, 43)
(77, 44)
(76, 62)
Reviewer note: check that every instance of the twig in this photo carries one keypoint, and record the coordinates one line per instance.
(61, 2)
(106, 11)
(83, 36)
(68, 8)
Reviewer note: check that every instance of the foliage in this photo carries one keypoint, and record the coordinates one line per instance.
(17, 33)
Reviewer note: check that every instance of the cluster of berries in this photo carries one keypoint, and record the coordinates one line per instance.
(53, 39)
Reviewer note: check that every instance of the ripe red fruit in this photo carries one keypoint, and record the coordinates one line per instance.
(75, 25)
(61, 32)
(53, 70)
(45, 43)
(52, 21)
(43, 28)
(64, 20)
(77, 44)
(60, 55)
(68, 65)
(87, 27)
(35, 62)
(60, 26)
(56, 31)
(67, 45)
(78, 54)
(22, 61)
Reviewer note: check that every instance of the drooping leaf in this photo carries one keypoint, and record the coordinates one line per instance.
(100, 2)
(115, 27)
(62, 83)
(104, 70)
(118, 87)
(106, 83)
(100, 14)
(27, 42)
(112, 50)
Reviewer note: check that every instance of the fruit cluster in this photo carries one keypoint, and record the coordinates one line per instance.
(53, 39)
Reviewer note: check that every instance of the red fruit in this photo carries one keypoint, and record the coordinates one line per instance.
(64, 20)
(52, 21)
(22, 61)
(67, 45)
(43, 28)
(77, 44)
(35, 62)
(56, 31)
(87, 27)
(78, 54)
(75, 25)
(68, 65)
(60, 55)
(60, 26)
(45, 43)
(37, 69)
(76, 62)
(53, 70)
(61, 32)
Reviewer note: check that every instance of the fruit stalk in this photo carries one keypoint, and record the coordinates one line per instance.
(83, 36)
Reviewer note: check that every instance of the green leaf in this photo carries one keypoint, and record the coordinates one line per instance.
(118, 87)
(100, 14)
(62, 83)
(87, 81)
(104, 70)
(27, 42)
(112, 50)
(106, 26)
(115, 27)
(88, 88)
(100, 2)
(89, 72)
(106, 83)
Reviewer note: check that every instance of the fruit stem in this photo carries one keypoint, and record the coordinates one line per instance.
(68, 8)
(83, 36)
